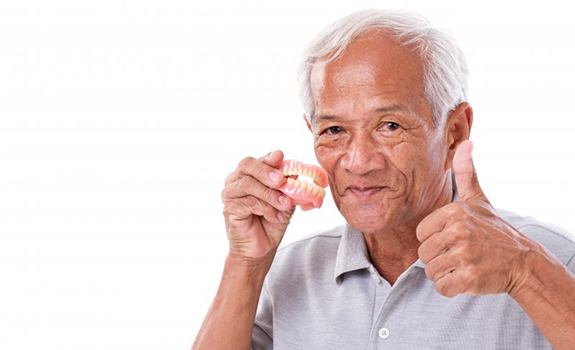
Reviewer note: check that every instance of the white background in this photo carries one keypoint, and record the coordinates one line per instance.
(119, 121)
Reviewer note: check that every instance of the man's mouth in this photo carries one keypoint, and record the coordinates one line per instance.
(364, 191)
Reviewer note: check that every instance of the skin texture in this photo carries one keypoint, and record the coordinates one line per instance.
(389, 174)
(389, 170)
(398, 152)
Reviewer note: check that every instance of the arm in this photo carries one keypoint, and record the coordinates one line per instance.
(548, 297)
(229, 322)
(467, 248)
(256, 216)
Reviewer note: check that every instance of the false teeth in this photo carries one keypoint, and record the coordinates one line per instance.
(306, 194)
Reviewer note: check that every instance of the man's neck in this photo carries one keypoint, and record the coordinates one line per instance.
(392, 252)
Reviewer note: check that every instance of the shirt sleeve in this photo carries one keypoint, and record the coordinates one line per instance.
(262, 334)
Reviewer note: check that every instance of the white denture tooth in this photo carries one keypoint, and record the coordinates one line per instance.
(297, 184)
(317, 190)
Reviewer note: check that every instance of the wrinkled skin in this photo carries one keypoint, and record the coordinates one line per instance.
(389, 168)
(255, 211)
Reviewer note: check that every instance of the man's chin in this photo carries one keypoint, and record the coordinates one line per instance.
(366, 221)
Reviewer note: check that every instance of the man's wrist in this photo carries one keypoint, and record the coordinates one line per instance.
(254, 269)
(537, 264)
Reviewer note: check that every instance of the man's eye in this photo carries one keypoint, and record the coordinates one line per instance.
(392, 126)
(332, 130)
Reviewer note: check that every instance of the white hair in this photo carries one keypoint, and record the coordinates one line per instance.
(444, 66)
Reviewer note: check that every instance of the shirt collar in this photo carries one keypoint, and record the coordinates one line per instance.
(352, 253)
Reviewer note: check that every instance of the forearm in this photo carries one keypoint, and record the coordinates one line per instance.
(548, 297)
(229, 322)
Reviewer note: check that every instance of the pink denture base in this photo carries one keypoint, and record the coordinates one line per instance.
(307, 195)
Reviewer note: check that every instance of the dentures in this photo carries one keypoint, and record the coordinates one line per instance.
(307, 194)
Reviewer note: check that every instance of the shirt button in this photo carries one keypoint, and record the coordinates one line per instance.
(383, 333)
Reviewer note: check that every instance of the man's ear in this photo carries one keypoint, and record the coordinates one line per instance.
(458, 129)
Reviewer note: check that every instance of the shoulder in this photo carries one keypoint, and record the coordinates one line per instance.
(554, 238)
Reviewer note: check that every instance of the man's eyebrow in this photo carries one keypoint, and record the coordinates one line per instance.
(326, 117)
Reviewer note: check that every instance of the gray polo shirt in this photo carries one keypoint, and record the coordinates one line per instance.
(322, 292)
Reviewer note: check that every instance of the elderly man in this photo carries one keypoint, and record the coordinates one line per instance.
(421, 263)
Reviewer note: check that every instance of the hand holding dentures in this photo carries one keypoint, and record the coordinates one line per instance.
(259, 199)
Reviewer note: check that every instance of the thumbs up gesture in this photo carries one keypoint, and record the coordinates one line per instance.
(465, 246)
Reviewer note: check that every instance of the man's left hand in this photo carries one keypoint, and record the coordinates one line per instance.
(466, 247)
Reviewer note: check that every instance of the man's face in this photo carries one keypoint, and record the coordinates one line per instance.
(374, 135)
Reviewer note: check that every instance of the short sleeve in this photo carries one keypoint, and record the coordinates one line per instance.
(263, 331)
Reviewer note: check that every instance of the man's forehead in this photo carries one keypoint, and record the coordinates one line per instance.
(374, 74)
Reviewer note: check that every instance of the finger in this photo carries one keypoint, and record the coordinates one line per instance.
(440, 242)
(268, 175)
(439, 266)
(287, 214)
(248, 186)
(465, 175)
(273, 159)
(454, 283)
(437, 221)
(243, 208)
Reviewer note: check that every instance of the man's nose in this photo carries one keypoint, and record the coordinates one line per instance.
(360, 154)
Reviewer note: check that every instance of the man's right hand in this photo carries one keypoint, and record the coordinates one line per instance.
(256, 213)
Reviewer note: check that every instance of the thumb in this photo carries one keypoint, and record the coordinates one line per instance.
(464, 172)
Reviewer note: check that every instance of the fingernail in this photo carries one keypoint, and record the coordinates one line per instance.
(269, 155)
(285, 201)
(275, 176)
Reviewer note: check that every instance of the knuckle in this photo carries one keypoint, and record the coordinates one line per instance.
(420, 231)
(465, 249)
(456, 210)
(451, 208)
(230, 177)
(442, 288)
(246, 162)
(271, 196)
(434, 270)
(242, 182)
(468, 277)
(421, 252)
(430, 272)
(460, 231)
(251, 202)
